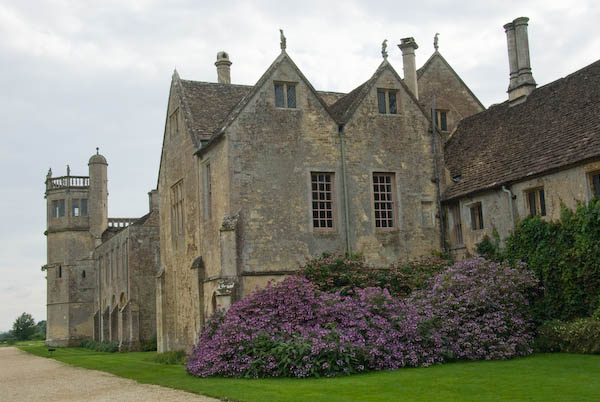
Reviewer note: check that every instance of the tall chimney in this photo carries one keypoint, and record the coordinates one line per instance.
(521, 79)
(408, 46)
(223, 68)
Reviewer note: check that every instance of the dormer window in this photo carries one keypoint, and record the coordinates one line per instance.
(285, 95)
(386, 101)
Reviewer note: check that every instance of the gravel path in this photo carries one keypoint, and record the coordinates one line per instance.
(25, 377)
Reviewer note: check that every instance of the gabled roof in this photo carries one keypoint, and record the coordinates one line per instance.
(438, 55)
(344, 108)
(557, 126)
(239, 107)
(207, 105)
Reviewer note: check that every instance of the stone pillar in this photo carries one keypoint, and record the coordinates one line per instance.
(134, 327)
(223, 68)
(408, 46)
(161, 313)
(124, 329)
(97, 318)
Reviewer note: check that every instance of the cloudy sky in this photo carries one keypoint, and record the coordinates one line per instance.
(81, 74)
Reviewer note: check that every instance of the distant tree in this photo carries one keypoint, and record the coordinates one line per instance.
(6, 336)
(40, 330)
(24, 327)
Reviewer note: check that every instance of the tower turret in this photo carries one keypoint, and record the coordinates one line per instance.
(98, 196)
(70, 272)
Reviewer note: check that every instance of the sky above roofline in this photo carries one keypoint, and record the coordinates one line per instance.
(77, 75)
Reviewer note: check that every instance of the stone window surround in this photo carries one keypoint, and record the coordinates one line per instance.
(439, 120)
(81, 211)
(427, 213)
(539, 201)
(394, 200)
(174, 123)
(332, 208)
(285, 100)
(476, 209)
(386, 98)
(177, 213)
(593, 179)
(58, 208)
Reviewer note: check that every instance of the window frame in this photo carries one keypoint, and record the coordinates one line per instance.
(174, 123)
(387, 92)
(285, 88)
(177, 214)
(539, 201)
(476, 211)
(332, 208)
(594, 191)
(58, 208)
(438, 119)
(394, 202)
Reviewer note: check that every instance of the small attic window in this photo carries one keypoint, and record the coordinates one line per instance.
(386, 101)
(285, 95)
(174, 123)
(441, 117)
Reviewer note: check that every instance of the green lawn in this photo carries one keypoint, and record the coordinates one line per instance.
(23, 343)
(542, 377)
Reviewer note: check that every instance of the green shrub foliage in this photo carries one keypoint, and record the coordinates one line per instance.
(171, 357)
(578, 336)
(110, 347)
(337, 273)
(149, 345)
(565, 256)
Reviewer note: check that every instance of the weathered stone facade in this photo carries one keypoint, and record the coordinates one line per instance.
(100, 270)
(244, 162)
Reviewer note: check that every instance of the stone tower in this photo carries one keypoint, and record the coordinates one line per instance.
(76, 218)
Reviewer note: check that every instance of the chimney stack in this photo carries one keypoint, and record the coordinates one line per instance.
(521, 80)
(153, 200)
(223, 68)
(408, 46)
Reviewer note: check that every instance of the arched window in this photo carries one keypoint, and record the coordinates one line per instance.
(83, 274)
(60, 271)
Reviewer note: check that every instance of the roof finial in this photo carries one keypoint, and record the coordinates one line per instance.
(384, 52)
(49, 173)
(68, 170)
(435, 41)
(282, 40)
(97, 151)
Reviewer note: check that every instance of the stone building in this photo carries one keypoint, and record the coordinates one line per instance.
(529, 155)
(100, 271)
(256, 179)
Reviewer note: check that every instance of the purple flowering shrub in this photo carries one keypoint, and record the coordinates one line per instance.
(474, 310)
(481, 309)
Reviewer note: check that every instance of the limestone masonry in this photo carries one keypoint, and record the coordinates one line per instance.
(253, 180)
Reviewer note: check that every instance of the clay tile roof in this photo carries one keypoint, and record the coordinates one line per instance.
(209, 104)
(558, 125)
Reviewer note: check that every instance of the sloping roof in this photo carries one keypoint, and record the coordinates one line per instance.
(558, 125)
(344, 108)
(209, 105)
(239, 106)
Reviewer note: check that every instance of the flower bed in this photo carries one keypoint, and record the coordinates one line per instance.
(473, 310)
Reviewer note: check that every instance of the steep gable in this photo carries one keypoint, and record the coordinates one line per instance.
(344, 108)
(558, 125)
(438, 78)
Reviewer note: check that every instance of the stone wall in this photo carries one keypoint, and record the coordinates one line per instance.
(567, 186)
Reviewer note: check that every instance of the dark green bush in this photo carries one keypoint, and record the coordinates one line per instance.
(149, 345)
(578, 336)
(565, 256)
(104, 346)
(331, 273)
(172, 357)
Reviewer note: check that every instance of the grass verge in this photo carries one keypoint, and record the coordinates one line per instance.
(542, 377)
